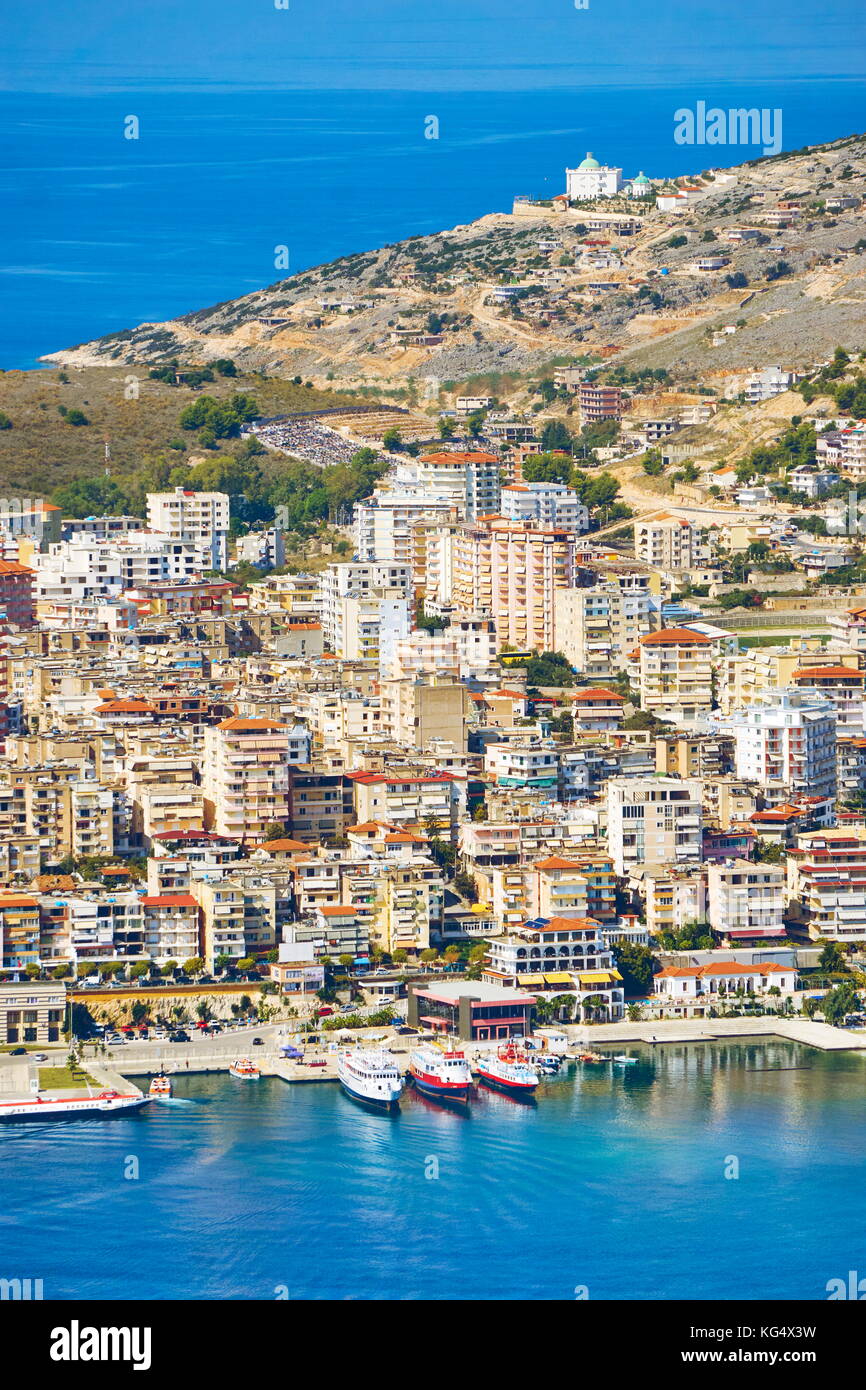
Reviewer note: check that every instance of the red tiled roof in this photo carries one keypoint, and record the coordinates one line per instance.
(238, 725)
(126, 707)
(599, 692)
(170, 900)
(674, 634)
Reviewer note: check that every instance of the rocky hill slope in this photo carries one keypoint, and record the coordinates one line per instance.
(580, 286)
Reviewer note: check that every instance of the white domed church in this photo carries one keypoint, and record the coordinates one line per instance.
(592, 180)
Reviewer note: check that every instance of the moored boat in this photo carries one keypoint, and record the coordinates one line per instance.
(244, 1069)
(96, 1105)
(371, 1076)
(160, 1086)
(509, 1071)
(445, 1076)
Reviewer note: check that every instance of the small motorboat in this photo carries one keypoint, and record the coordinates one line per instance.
(625, 1061)
(591, 1057)
(244, 1070)
(160, 1087)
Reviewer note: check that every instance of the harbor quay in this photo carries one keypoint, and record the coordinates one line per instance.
(317, 1060)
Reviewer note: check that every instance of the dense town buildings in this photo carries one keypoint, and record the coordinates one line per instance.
(360, 764)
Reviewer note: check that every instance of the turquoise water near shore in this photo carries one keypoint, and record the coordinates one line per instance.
(101, 233)
(615, 1181)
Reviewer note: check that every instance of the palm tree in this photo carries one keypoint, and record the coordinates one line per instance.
(594, 1004)
(634, 1013)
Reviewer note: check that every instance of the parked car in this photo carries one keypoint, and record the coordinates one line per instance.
(18, 1052)
(179, 1036)
(324, 1012)
(257, 1042)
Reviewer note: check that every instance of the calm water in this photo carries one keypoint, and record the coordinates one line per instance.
(100, 233)
(613, 1181)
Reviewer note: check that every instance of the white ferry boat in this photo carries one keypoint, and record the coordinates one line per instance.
(370, 1076)
(160, 1086)
(442, 1075)
(509, 1071)
(96, 1104)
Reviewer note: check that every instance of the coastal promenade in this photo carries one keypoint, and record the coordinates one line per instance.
(319, 1064)
(805, 1031)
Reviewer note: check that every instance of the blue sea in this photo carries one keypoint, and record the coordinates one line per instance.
(100, 232)
(713, 1171)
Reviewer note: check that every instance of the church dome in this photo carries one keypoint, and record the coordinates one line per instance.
(588, 163)
(641, 178)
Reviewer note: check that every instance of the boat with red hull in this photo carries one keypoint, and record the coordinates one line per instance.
(509, 1071)
(444, 1076)
(95, 1104)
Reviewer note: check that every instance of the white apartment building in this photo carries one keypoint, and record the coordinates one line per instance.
(746, 899)
(674, 897)
(771, 381)
(356, 579)
(654, 820)
(202, 517)
(597, 628)
(844, 450)
(786, 741)
(264, 548)
(469, 480)
(545, 504)
(371, 626)
(670, 543)
(676, 673)
(558, 955)
(384, 523)
(467, 645)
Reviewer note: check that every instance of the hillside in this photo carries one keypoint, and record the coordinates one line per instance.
(640, 297)
(43, 450)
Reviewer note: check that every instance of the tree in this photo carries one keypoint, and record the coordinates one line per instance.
(139, 1012)
(653, 465)
(139, 969)
(547, 468)
(550, 668)
(635, 964)
(392, 439)
(840, 1001)
(446, 428)
(276, 831)
(464, 884)
(193, 966)
(555, 435)
(832, 959)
